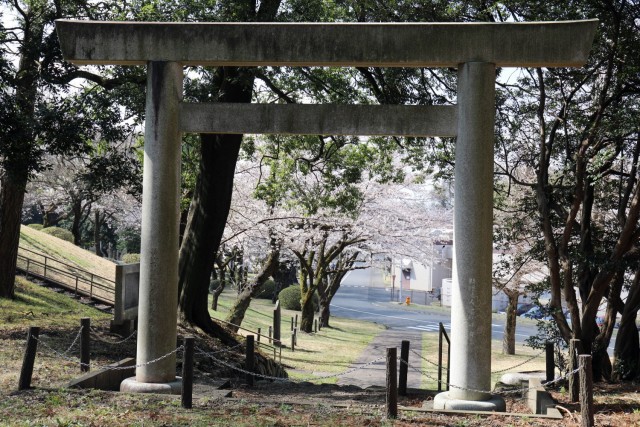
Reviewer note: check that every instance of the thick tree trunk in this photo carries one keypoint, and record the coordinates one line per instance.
(325, 312)
(207, 218)
(509, 336)
(237, 312)
(212, 196)
(16, 166)
(308, 311)
(627, 348)
(11, 198)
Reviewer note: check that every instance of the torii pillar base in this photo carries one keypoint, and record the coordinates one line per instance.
(130, 385)
(444, 401)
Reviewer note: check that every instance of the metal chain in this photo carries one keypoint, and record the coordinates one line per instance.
(74, 341)
(140, 365)
(267, 377)
(493, 372)
(424, 358)
(221, 351)
(113, 342)
(107, 367)
(520, 390)
(519, 364)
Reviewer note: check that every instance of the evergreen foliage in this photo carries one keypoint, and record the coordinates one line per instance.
(60, 233)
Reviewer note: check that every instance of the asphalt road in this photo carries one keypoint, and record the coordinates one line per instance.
(373, 304)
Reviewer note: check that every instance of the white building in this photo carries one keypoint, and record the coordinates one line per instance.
(414, 275)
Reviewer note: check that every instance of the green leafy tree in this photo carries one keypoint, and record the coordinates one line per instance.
(569, 140)
(38, 115)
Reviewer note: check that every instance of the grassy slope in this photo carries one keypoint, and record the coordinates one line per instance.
(66, 251)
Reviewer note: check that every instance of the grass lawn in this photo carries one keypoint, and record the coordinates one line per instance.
(329, 351)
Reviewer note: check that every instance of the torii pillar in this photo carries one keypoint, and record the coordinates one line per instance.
(475, 49)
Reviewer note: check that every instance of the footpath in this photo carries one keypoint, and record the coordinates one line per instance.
(375, 374)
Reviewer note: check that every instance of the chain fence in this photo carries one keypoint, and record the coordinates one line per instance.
(212, 355)
(97, 337)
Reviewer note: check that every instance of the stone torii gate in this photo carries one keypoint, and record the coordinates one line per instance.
(475, 49)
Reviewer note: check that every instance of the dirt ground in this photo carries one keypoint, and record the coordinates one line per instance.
(294, 403)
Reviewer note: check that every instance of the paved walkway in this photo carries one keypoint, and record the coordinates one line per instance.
(376, 373)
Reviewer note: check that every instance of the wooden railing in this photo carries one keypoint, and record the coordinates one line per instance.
(70, 277)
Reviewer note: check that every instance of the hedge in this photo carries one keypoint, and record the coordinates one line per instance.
(131, 258)
(290, 298)
(60, 233)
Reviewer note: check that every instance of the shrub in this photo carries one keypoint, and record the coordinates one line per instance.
(60, 233)
(131, 258)
(267, 289)
(290, 298)
(36, 226)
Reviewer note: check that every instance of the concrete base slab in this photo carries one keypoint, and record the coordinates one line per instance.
(130, 385)
(494, 404)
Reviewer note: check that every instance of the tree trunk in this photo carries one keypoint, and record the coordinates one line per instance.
(308, 310)
(97, 225)
(75, 225)
(16, 166)
(216, 294)
(325, 312)
(11, 198)
(626, 353)
(212, 195)
(237, 312)
(509, 336)
(205, 225)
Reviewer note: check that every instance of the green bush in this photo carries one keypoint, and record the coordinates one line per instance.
(60, 233)
(267, 289)
(36, 226)
(131, 258)
(290, 298)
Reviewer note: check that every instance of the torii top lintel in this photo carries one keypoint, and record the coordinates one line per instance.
(531, 44)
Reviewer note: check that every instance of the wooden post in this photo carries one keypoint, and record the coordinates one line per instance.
(276, 323)
(187, 373)
(315, 325)
(586, 391)
(574, 345)
(250, 359)
(404, 368)
(392, 383)
(270, 333)
(259, 333)
(29, 358)
(85, 344)
(295, 325)
(440, 359)
(293, 339)
(291, 323)
(549, 359)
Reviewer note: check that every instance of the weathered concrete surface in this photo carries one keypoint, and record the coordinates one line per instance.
(446, 401)
(109, 379)
(508, 44)
(157, 309)
(327, 119)
(473, 234)
(132, 385)
(539, 400)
